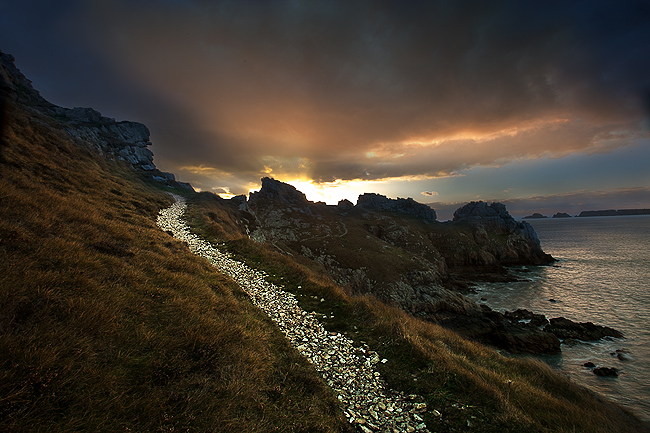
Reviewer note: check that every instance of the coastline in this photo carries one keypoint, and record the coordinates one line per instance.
(593, 280)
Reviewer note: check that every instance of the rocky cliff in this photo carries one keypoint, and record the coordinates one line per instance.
(502, 239)
(126, 141)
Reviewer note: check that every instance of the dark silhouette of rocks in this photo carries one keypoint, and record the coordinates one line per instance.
(561, 215)
(406, 206)
(522, 243)
(586, 331)
(503, 330)
(523, 315)
(536, 215)
(345, 205)
(613, 212)
(605, 371)
(276, 190)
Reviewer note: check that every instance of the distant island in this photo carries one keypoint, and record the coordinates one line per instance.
(536, 215)
(613, 212)
(593, 213)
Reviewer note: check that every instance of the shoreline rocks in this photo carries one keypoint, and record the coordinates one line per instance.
(586, 331)
(523, 331)
(605, 371)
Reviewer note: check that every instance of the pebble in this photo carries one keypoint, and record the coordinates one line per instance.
(350, 371)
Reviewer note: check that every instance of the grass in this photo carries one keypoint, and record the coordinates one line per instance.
(109, 324)
(473, 387)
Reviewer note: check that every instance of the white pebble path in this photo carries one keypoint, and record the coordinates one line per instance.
(348, 370)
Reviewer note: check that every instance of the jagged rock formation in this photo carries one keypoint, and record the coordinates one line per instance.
(127, 141)
(561, 215)
(276, 190)
(406, 206)
(492, 223)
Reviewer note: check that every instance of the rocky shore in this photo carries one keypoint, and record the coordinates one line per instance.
(347, 367)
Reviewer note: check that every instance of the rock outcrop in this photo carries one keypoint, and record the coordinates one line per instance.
(503, 330)
(127, 141)
(490, 224)
(277, 191)
(586, 331)
(406, 206)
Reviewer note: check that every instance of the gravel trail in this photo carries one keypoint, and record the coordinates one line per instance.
(348, 370)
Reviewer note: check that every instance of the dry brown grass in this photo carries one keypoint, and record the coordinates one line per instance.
(109, 324)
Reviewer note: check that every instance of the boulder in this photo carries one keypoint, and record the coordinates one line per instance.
(622, 354)
(605, 371)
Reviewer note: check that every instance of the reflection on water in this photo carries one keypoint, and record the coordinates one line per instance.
(602, 276)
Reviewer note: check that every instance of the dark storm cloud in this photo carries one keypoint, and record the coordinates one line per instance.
(373, 89)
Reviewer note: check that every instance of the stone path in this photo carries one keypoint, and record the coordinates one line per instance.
(348, 370)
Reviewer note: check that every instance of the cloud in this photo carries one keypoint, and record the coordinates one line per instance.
(429, 193)
(375, 89)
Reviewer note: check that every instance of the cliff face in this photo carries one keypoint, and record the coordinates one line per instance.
(500, 237)
(127, 141)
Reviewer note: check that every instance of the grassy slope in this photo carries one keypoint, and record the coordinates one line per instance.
(109, 324)
(466, 382)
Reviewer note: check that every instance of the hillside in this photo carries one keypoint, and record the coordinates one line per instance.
(107, 323)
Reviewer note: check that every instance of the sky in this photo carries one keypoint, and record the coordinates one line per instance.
(541, 105)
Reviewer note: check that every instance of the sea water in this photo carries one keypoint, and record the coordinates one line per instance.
(602, 276)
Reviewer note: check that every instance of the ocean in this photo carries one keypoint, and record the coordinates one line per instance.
(602, 276)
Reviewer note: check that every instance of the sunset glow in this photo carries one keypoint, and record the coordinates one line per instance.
(354, 97)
